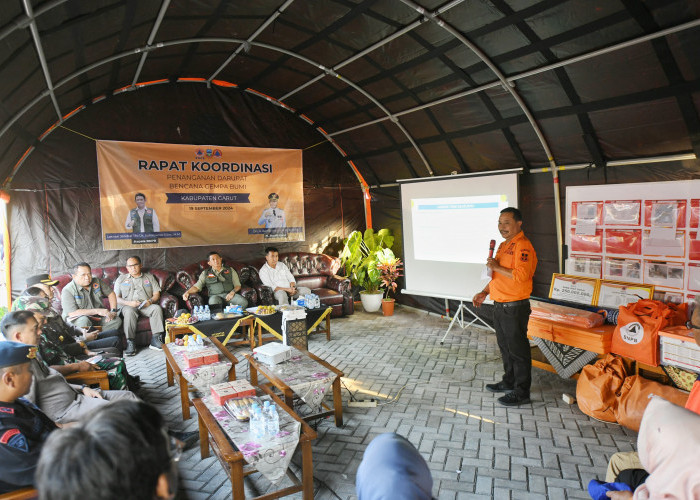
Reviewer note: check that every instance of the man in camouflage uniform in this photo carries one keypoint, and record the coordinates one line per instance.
(221, 281)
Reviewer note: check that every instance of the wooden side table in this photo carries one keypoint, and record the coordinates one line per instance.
(288, 394)
(233, 462)
(174, 372)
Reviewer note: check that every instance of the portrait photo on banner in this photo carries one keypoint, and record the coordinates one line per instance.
(175, 195)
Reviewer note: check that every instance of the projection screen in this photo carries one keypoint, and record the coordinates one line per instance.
(448, 223)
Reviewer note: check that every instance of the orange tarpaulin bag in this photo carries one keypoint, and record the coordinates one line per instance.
(693, 403)
(597, 387)
(633, 399)
(637, 333)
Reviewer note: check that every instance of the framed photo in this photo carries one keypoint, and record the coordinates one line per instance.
(578, 289)
(620, 293)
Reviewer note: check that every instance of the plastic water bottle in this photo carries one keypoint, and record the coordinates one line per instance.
(273, 420)
(207, 313)
(255, 421)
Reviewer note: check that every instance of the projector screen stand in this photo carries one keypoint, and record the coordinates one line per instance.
(459, 319)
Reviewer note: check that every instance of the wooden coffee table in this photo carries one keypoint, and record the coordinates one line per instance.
(228, 329)
(174, 372)
(233, 462)
(288, 394)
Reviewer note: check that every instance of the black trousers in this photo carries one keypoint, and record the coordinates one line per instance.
(510, 321)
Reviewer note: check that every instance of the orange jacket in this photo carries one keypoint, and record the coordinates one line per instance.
(518, 255)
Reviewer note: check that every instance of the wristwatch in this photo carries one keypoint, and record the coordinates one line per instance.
(113, 310)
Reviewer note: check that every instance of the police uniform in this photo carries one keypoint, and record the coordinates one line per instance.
(219, 284)
(143, 223)
(273, 219)
(74, 297)
(23, 428)
(140, 288)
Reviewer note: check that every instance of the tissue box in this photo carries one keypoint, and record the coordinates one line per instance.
(229, 390)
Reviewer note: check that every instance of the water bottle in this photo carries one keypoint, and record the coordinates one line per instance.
(195, 311)
(207, 313)
(266, 417)
(255, 421)
(273, 420)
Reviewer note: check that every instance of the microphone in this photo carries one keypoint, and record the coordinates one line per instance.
(492, 247)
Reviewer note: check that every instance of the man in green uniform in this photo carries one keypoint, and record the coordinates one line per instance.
(221, 281)
(137, 295)
(81, 300)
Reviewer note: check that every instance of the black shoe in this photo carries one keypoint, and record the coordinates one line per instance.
(130, 348)
(499, 387)
(187, 438)
(156, 342)
(512, 399)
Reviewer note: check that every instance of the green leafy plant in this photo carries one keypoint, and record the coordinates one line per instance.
(359, 257)
(390, 267)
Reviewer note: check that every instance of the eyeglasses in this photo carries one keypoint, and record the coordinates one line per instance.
(690, 326)
(176, 449)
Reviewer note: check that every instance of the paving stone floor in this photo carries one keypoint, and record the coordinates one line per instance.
(434, 395)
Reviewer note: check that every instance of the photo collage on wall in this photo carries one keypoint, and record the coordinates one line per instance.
(646, 241)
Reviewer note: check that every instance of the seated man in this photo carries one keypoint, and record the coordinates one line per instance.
(137, 295)
(130, 453)
(277, 276)
(72, 339)
(221, 281)
(61, 401)
(23, 427)
(53, 353)
(81, 300)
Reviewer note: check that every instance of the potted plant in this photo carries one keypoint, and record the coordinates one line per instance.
(390, 268)
(359, 259)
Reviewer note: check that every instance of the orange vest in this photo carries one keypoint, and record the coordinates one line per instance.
(518, 255)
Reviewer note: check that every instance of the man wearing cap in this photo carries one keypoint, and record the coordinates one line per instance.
(61, 401)
(81, 300)
(142, 219)
(69, 336)
(137, 295)
(23, 427)
(221, 281)
(273, 218)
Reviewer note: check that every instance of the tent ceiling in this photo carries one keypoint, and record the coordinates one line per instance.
(404, 88)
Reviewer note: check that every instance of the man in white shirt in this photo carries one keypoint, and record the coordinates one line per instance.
(142, 219)
(277, 276)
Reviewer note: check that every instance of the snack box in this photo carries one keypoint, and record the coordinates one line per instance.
(200, 357)
(229, 390)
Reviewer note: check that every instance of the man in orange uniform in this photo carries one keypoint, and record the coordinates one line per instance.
(510, 288)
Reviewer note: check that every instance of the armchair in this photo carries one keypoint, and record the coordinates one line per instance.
(188, 276)
(314, 271)
(110, 274)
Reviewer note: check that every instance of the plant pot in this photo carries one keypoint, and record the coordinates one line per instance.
(371, 302)
(388, 307)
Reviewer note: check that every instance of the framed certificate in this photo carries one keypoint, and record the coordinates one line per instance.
(579, 289)
(620, 293)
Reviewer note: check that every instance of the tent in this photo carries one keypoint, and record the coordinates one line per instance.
(573, 92)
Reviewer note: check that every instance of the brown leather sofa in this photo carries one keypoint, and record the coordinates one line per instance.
(110, 274)
(314, 271)
(189, 275)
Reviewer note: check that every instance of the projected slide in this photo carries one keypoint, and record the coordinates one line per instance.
(448, 223)
(457, 223)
